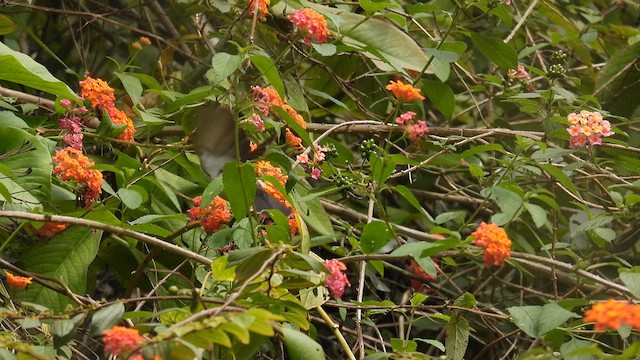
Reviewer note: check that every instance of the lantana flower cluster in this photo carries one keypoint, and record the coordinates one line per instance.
(337, 281)
(71, 164)
(18, 282)
(265, 168)
(319, 155)
(101, 96)
(417, 129)
(120, 340)
(520, 73)
(311, 24)
(404, 92)
(212, 216)
(495, 242)
(612, 314)
(268, 97)
(588, 127)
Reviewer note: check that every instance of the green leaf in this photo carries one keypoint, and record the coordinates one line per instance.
(312, 211)
(423, 249)
(466, 300)
(632, 281)
(408, 195)
(269, 70)
(212, 190)
(326, 96)
(150, 117)
(444, 56)
(132, 85)
(617, 86)
(325, 49)
(495, 50)
(9, 119)
(457, 337)
(21, 69)
(537, 213)
(388, 47)
(240, 186)
(560, 176)
(293, 124)
(510, 203)
(130, 198)
(29, 159)
(222, 66)
(381, 167)
(7, 25)
(536, 321)
(372, 7)
(374, 236)
(67, 257)
(300, 346)
(106, 318)
(63, 331)
(441, 95)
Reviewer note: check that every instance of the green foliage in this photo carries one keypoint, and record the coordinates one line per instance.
(364, 248)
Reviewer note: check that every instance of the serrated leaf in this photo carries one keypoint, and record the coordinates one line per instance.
(325, 49)
(223, 65)
(457, 337)
(536, 321)
(466, 300)
(495, 50)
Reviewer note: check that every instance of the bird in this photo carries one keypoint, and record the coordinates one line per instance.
(214, 141)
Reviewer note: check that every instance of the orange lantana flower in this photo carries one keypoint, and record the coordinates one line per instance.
(71, 164)
(50, 229)
(293, 140)
(119, 339)
(495, 242)
(404, 92)
(18, 282)
(212, 216)
(612, 314)
(99, 93)
(311, 24)
(119, 117)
